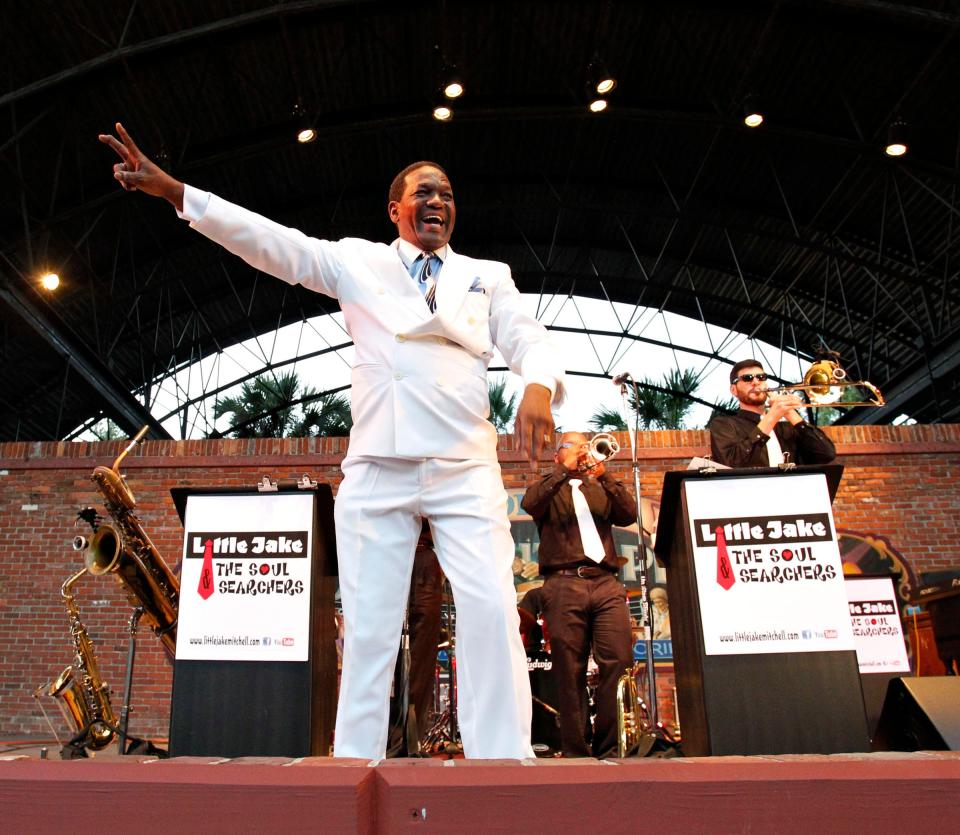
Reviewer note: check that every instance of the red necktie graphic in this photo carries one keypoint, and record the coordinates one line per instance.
(205, 589)
(724, 570)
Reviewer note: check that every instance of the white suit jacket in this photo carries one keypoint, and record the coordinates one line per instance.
(419, 384)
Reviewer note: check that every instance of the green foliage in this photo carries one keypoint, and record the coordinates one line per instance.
(502, 408)
(665, 404)
(107, 430)
(274, 406)
(608, 420)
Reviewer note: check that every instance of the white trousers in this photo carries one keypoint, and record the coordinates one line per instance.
(378, 514)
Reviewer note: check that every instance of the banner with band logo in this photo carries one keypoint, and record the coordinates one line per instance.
(875, 619)
(245, 582)
(768, 568)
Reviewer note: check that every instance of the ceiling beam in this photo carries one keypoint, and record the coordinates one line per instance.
(923, 377)
(129, 413)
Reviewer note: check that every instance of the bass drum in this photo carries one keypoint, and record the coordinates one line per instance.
(544, 725)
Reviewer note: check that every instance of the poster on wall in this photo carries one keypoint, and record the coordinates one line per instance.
(767, 565)
(875, 619)
(245, 582)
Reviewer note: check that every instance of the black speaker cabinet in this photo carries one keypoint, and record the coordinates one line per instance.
(920, 714)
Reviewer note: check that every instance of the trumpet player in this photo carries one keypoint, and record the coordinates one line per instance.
(574, 508)
(766, 426)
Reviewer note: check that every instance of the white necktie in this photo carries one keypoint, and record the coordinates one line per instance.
(592, 546)
(774, 453)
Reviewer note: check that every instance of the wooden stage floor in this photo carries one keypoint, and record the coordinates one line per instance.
(876, 793)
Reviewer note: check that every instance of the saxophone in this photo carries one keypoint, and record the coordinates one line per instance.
(629, 718)
(82, 695)
(124, 550)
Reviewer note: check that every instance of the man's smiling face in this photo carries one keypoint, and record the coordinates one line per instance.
(426, 213)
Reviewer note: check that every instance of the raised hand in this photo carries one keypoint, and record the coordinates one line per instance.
(783, 404)
(137, 172)
(533, 426)
(595, 470)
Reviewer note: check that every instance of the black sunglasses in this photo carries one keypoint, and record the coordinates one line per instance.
(749, 378)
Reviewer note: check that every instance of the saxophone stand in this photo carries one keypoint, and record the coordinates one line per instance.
(76, 747)
(130, 744)
(135, 616)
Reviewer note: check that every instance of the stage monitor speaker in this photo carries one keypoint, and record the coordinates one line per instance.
(920, 714)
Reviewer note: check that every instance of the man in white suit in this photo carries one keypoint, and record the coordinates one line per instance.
(420, 446)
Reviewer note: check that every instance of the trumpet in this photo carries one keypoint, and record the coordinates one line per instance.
(601, 447)
(824, 383)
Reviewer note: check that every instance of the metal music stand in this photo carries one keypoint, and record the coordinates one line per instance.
(647, 621)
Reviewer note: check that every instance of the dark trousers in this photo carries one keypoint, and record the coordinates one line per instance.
(585, 614)
(423, 623)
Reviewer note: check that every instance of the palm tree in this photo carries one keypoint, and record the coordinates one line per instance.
(677, 403)
(502, 408)
(274, 406)
(328, 416)
(608, 420)
(665, 404)
(107, 430)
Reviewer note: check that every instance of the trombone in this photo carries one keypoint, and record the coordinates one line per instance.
(824, 383)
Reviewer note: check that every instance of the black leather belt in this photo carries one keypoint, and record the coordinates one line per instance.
(583, 571)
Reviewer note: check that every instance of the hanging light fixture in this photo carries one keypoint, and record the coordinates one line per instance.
(451, 82)
(305, 131)
(50, 281)
(897, 144)
(752, 112)
(602, 82)
(442, 112)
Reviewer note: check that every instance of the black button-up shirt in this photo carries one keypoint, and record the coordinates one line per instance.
(550, 503)
(735, 441)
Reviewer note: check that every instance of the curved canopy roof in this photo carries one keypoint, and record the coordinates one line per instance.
(801, 233)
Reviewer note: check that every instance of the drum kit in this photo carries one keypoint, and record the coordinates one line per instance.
(441, 733)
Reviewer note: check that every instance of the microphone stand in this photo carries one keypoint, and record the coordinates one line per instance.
(647, 622)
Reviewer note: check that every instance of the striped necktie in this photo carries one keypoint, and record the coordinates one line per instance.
(425, 271)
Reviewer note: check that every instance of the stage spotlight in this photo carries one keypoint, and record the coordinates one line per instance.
(305, 131)
(598, 105)
(897, 144)
(51, 281)
(442, 113)
(752, 112)
(602, 81)
(452, 82)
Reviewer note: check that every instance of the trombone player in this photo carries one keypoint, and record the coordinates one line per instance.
(767, 426)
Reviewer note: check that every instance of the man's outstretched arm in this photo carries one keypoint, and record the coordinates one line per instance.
(136, 172)
(278, 250)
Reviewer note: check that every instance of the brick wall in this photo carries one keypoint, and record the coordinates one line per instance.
(900, 482)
